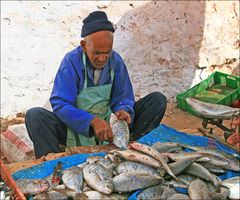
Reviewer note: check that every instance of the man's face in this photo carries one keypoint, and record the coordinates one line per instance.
(98, 47)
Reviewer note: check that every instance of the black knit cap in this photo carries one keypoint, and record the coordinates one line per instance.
(96, 21)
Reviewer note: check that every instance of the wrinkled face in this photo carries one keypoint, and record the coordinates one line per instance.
(98, 47)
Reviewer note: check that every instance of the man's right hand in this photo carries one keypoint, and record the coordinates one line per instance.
(102, 129)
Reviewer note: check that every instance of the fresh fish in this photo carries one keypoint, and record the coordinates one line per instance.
(120, 132)
(210, 110)
(154, 153)
(167, 192)
(198, 170)
(178, 156)
(49, 195)
(136, 156)
(97, 195)
(178, 166)
(70, 193)
(233, 184)
(104, 161)
(210, 150)
(32, 186)
(186, 179)
(86, 187)
(135, 167)
(167, 147)
(179, 196)
(107, 163)
(198, 189)
(98, 178)
(213, 168)
(217, 160)
(225, 162)
(127, 182)
(73, 178)
(153, 192)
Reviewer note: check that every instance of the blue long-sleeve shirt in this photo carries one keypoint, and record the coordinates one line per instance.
(69, 82)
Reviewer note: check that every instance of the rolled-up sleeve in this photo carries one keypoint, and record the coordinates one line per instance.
(122, 91)
(63, 97)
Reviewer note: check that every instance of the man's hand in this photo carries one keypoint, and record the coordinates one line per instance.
(123, 115)
(102, 129)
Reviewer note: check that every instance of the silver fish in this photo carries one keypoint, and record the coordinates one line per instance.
(104, 161)
(167, 192)
(97, 195)
(234, 186)
(179, 196)
(178, 166)
(120, 132)
(49, 195)
(98, 178)
(70, 193)
(209, 150)
(210, 110)
(32, 186)
(198, 189)
(186, 179)
(213, 168)
(155, 154)
(127, 182)
(219, 158)
(73, 178)
(135, 167)
(136, 156)
(198, 170)
(178, 156)
(153, 192)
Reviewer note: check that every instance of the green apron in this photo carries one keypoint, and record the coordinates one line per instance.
(95, 100)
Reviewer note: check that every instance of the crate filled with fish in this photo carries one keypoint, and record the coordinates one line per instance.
(161, 170)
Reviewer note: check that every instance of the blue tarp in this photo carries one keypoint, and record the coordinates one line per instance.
(161, 134)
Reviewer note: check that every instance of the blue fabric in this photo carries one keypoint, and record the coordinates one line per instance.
(45, 169)
(69, 82)
(161, 134)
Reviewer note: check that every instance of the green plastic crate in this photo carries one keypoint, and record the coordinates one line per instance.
(218, 88)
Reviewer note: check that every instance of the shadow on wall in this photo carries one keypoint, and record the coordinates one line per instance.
(160, 44)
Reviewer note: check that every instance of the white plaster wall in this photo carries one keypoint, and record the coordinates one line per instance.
(161, 42)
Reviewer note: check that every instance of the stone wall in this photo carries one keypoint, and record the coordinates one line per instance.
(164, 44)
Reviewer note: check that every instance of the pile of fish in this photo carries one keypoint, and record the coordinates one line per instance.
(156, 172)
(5, 192)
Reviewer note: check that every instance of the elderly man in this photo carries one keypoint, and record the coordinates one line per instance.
(92, 82)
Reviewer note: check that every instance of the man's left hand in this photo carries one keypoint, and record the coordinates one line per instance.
(123, 115)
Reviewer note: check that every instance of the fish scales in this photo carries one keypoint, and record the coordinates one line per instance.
(32, 186)
(153, 192)
(98, 178)
(129, 166)
(73, 178)
(120, 132)
(127, 182)
(198, 189)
